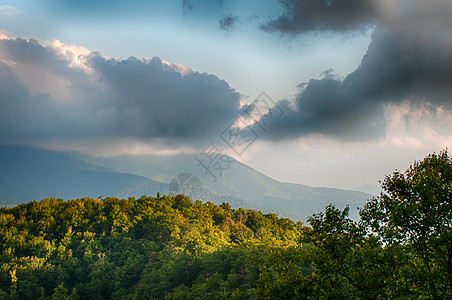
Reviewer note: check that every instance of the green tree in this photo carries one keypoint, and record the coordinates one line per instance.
(402, 247)
(154, 248)
(415, 210)
(346, 262)
(61, 293)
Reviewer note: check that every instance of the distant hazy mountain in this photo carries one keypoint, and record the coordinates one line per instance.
(28, 174)
(241, 181)
(369, 189)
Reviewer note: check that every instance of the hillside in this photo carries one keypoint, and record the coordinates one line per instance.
(171, 247)
(149, 248)
(241, 181)
(28, 174)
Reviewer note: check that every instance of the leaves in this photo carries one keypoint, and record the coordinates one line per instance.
(415, 210)
(144, 248)
(402, 247)
(174, 248)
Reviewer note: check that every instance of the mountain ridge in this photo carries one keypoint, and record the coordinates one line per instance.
(28, 174)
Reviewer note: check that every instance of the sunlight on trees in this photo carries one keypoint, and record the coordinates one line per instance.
(173, 248)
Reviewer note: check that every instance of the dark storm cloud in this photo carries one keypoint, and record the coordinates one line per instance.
(405, 63)
(399, 66)
(327, 107)
(301, 16)
(131, 98)
(168, 104)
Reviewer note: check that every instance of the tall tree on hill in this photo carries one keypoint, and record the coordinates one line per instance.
(415, 210)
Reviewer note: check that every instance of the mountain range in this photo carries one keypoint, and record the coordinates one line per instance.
(28, 174)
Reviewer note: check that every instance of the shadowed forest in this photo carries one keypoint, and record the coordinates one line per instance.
(174, 247)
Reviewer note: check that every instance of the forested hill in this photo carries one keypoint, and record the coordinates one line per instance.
(173, 248)
(144, 249)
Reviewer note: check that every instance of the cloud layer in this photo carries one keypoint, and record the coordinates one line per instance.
(58, 92)
(301, 16)
(408, 61)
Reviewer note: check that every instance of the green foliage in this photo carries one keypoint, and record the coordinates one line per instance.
(285, 274)
(147, 248)
(416, 211)
(172, 248)
(401, 249)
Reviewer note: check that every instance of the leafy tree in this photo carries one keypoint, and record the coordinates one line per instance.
(285, 275)
(61, 293)
(415, 210)
(337, 261)
(134, 248)
(170, 247)
(400, 249)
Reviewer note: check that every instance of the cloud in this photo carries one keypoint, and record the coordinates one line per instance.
(301, 16)
(187, 5)
(227, 23)
(407, 62)
(305, 16)
(58, 92)
(326, 107)
(3, 34)
(314, 160)
(54, 91)
(8, 10)
(202, 7)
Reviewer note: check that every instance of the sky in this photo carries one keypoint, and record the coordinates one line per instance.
(335, 93)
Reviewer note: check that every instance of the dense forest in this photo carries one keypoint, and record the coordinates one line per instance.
(173, 247)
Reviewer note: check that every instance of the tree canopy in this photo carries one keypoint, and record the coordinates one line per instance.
(415, 211)
(169, 247)
(148, 248)
(401, 247)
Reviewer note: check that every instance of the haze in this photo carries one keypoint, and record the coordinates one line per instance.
(358, 88)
